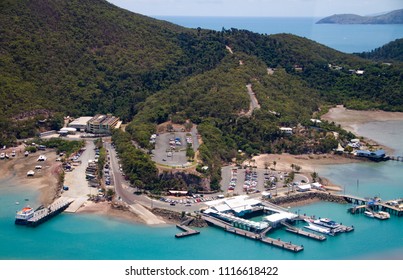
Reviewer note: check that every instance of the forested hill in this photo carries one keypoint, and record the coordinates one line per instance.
(81, 57)
(392, 51)
(394, 17)
(88, 56)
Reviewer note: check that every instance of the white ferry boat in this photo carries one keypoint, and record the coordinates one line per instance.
(22, 216)
(319, 229)
(325, 222)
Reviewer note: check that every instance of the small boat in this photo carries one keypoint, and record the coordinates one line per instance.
(369, 214)
(41, 158)
(382, 215)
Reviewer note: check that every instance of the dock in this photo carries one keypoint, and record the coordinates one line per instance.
(304, 233)
(267, 240)
(187, 231)
(44, 214)
(386, 206)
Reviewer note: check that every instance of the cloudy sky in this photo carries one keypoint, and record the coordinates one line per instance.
(315, 8)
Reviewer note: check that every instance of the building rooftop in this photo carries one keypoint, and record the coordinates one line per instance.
(80, 121)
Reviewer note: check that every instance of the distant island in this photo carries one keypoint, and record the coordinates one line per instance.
(394, 17)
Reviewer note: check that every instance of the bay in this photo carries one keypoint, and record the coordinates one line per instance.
(348, 38)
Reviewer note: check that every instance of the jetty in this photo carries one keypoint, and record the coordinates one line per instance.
(187, 231)
(251, 235)
(394, 207)
(42, 214)
(304, 233)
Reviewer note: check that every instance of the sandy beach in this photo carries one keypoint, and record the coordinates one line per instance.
(45, 179)
(351, 119)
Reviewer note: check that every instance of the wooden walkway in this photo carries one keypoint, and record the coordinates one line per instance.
(271, 241)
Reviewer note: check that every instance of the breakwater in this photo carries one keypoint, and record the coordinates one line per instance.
(306, 197)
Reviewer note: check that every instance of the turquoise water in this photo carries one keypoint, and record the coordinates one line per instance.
(92, 237)
(342, 37)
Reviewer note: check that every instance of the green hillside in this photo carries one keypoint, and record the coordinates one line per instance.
(82, 57)
(392, 51)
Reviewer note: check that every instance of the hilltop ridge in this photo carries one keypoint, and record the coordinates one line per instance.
(394, 17)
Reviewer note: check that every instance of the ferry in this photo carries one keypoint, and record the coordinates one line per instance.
(22, 216)
(320, 229)
(30, 217)
(329, 224)
(325, 222)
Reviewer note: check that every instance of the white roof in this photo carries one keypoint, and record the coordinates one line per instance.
(277, 217)
(67, 129)
(304, 187)
(80, 121)
(222, 207)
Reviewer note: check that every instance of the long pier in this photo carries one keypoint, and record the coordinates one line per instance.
(271, 241)
(52, 210)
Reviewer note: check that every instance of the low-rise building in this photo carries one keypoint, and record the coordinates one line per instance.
(80, 123)
(102, 124)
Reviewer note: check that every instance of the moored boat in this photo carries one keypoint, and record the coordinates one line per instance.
(325, 222)
(22, 216)
(318, 228)
(369, 214)
(382, 215)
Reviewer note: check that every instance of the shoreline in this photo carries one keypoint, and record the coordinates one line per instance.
(45, 181)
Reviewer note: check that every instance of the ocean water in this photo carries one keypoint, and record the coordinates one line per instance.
(342, 37)
(92, 237)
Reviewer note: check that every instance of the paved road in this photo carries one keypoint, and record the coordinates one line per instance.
(75, 180)
(254, 104)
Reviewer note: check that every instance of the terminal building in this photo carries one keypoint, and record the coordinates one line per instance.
(80, 124)
(102, 124)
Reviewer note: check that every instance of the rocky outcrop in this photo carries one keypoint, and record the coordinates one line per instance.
(178, 217)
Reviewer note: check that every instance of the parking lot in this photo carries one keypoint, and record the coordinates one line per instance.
(170, 149)
(250, 180)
